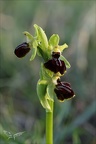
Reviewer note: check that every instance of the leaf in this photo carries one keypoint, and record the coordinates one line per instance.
(54, 40)
(41, 91)
(8, 134)
(66, 62)
(17, 134)
(77, 122)
(42, 38)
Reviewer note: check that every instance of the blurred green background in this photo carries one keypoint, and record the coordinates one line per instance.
(20, 109)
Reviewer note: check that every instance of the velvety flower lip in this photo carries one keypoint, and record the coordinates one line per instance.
(55, 64)
(63, 90)
(22, 49)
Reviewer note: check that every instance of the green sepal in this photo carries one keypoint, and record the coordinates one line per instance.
(42, 38)
(42, 94)
(54, 40)
(66, 62)
(33, 50)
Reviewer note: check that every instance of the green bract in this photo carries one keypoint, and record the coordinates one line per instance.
(45, 91)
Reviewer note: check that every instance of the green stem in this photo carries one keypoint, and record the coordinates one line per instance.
(49, 126)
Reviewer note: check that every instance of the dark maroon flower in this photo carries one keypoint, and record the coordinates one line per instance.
(55, 64)
(63, 90)
(22, 50)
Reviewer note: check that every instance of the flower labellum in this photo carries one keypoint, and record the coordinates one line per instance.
(63, 90)
(55, 64)
(22, 50)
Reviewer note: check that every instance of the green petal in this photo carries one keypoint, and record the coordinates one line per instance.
(66, 62)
